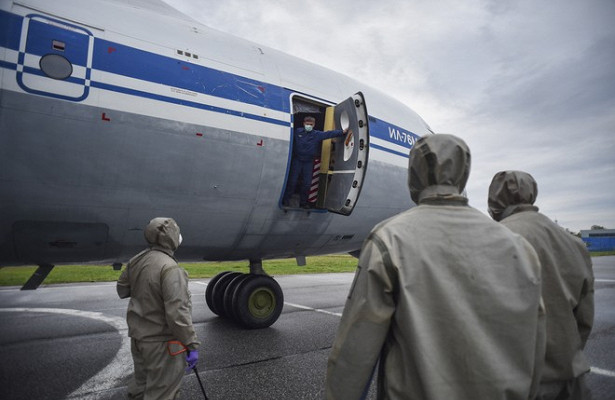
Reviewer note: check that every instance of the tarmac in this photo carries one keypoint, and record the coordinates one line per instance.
(70, 341)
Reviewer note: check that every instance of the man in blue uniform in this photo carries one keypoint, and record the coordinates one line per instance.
(306, 143)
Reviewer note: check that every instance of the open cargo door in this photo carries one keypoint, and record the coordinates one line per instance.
(344, 160)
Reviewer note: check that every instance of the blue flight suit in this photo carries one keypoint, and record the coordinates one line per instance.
(305, 147)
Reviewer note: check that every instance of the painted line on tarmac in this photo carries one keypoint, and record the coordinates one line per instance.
(121, 365)
(605, 280)
(313, 309)
(600, 371)
(115, 371)
(593, 370)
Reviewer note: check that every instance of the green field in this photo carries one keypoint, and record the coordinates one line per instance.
(602, 253)
(17, 276)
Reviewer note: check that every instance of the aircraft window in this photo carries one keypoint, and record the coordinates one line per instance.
(181, 53)
(56, 66)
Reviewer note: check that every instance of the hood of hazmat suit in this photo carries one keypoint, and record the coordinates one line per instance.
(567, 276)
(445, 300)
(160, 307)
(163, 234)
(511, 191)
(439, 169)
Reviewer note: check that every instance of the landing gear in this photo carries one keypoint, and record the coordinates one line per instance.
(253, 300)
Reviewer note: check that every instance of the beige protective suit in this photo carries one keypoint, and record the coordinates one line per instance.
(159, 311)
(567, 282)
(447, 300)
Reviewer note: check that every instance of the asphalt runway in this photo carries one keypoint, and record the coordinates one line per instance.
(69, 341)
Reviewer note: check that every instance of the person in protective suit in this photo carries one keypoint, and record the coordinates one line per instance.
(159, 315)
(567, 283)
(306, 141)
(445, 301)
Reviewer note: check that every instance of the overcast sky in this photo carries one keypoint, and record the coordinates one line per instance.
(529, 85)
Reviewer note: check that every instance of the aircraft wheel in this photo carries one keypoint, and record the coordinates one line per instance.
(229, 295)
(258, 302)
(209, 292)
(219, 290)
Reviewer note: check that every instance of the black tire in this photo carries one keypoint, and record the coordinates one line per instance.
(258, 302)
(209, 292)
(218, 292)
(230, 293)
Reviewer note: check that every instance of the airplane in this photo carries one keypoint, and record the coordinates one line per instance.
(120, 111)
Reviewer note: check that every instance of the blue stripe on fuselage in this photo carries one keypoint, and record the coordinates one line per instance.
(392, 134)
(167, 99)
(128, 61)
(397, 153)
(76, 52)
(11, 30)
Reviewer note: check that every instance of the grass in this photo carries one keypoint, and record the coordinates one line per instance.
(17, 276)
(602, 253)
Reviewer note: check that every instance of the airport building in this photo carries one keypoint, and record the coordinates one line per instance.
(599, 239)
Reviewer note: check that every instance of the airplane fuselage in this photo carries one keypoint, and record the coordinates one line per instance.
(114, 115)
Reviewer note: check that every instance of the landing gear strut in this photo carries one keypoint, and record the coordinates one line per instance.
(38, 277)
(253, 300)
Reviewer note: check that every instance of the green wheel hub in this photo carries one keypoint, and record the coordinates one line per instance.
(262, 302)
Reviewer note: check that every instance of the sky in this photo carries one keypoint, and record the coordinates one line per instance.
(528, 84)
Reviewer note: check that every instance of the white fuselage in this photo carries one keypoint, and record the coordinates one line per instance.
(162, 116)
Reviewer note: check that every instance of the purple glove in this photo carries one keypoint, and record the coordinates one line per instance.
(191, 359)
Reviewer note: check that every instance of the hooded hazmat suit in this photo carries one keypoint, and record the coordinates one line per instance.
(160, 310)
(447, 300)
(567, 281)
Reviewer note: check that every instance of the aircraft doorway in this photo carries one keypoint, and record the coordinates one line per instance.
(339, 165)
